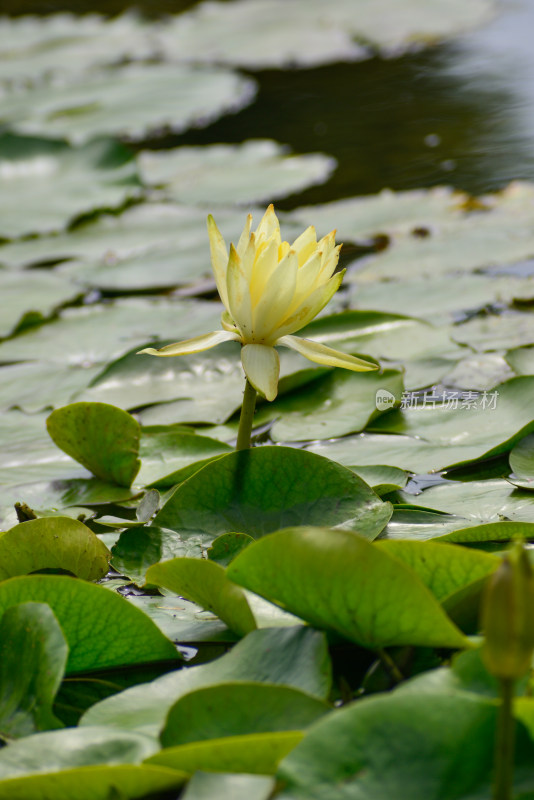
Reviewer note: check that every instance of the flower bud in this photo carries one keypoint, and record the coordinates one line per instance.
(508, 617)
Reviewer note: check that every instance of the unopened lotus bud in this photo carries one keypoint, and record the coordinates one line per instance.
(508, 617)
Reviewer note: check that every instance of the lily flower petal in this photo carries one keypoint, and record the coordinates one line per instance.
(237, 286)
(322, 354)
(196, 345)
(262, 368)
(298, 317)
(219, 258)
(276, 298)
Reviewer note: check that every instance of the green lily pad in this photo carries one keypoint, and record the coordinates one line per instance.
(239, 708)
(140, 233)
(252, 172)
(312, 33)
(93, 783)
(104, 331)
(442, 568)
(419, 525)
(255, 753)
(522, 463)
(53, 543)
(181, 621)
(382, 479)
(363, 751)
(31, 296)
(358, 219)
(129, 101)
(33, 46)
(341, 403)
(502, 332)
(89, 614)
(479, 501)
(226, 547)
(140, 547)
(486, 424)
(101, 174)
(434, 298)
(33, 657)
(28, 453)
(341, 582)
(205, 583)
(480, 372)
(261, 490)
(296, 656)
(491, 532)
(33, 386)
(231, 786)
(521, 359)
(103, 438)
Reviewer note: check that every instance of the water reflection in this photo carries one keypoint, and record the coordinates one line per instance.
(459, 114)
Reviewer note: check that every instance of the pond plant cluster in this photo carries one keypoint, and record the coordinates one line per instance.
(297, 619)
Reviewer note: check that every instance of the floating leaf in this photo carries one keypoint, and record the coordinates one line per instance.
(33, 655)
(166, 453)
(522, 463)
(33, 386)
(62, 43)
(252, 172)
(101, 174)
(226, 547)
(205, 583)
(311, 34)
(256, 753)
(239, 708)
(205, 785)
(53, 543)
(103, 438)
(104, 331)
(99, 625)
(139, 547)
(30, 296)
(363, 751)
(442, 568)
(334, 579)
(129, 101)
(342, 402)
(295, 656)
(261, 490)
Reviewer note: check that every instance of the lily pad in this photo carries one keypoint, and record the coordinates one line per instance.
(104, 331)
(239, 708)
(358, 219)
(89, 614)
(336, 580)
(488, 423)
(103, 438)
(53, 543)
(521, 359)
(363, 752)
(31, 296)
(230, 786)
(522, 463)
(140, 547)
(33, 46)
(33, 386)
(128, 101)
(253, 172)
(341, 403)
(261, 490)
(496, 332)
(255, 753)
(33, 658)
(312, 34)
(101, 174)
(205, 583)
(296, 656)
(479, 501)
(163, 228)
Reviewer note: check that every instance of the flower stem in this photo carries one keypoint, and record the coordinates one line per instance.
(504, 744)
(247, 417)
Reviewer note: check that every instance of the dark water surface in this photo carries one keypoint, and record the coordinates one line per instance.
(460, 114)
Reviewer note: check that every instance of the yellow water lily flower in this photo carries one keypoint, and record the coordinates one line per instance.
(270, 289)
